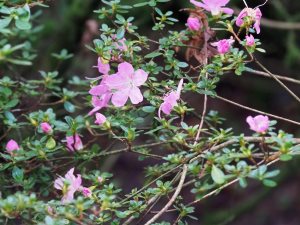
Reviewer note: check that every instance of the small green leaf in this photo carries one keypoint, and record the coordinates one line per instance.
(148, 109)
(285, 157)
(217, 175)
(261, 50)
(69, 107)
(152, 55)
(5, 22)
(120, 33)
(182, 64)
(18, 174)
(269, 183)
(140, 4)
(51, 143)
(23, 24)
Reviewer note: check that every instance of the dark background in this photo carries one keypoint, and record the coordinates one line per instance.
(71, 24)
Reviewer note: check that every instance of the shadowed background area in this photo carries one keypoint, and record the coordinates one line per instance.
(71, 24)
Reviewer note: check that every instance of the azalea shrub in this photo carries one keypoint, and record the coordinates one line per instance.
(57, 132)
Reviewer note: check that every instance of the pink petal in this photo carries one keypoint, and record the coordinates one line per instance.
(120, 98)
(125, 69)
(227, 11)
(98, 90)
(140, 77)
(199, 4)
(135, 95)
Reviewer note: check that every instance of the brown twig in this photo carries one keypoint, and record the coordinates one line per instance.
(173, 198)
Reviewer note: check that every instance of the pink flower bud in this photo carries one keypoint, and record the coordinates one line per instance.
(250, 40)
(193, 23)
(223, 45)
(100, 118)
(259, 124)
(100, 179)
(103, 67)
(86, 192)
(46, 128)
(74, 145)
(11, 146)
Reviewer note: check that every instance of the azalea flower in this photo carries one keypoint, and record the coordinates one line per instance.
(170, 100)
(103, 66)
(254, 15)
(86, 192)
(12, 146)
(213, 6)
(259, 124)
(250, 40)
(74, 145)
(101, 95)
(223, 45)
(100, 118)
(46, 128)
(193, 23)
(125, 84)
(69, 185)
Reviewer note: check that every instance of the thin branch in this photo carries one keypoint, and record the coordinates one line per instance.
(235, 140)
(171, 201)
(280, 24)
(278, 81)
(257, 111)
(264, 74)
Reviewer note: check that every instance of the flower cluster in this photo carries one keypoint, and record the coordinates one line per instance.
(69, 185)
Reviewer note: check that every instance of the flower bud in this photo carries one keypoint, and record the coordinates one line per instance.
(193, 23)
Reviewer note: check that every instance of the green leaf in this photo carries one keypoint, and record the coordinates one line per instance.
(120, 33)
(10, 117)
(285, 157)
(12, 103)
(261, 50)
(243, 182)
(148, 109)
(19, 62)
(152, 55)
(140, 4)
(217, 175)
(51, 143)
(23, 24)
(18, 174)
(5, 22)
(182, 64)
(69, 107)
(269, 183)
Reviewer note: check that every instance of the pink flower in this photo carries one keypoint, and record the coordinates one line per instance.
(259, 124)
(69, 185)
(170, 100)
(11, 146)
(86, 192)
(250, 40)
(101, 95)
(100, 179)
(125, 84)
(254, 15)
(193, 23)
(100, 118)
(73, 146)
(223, 45)
(46, 128)
(102, 66)
(214, 6)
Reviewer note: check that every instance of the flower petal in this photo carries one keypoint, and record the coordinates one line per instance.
(120, 98)
(135, 95)
(125, 68)
(139, 77)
